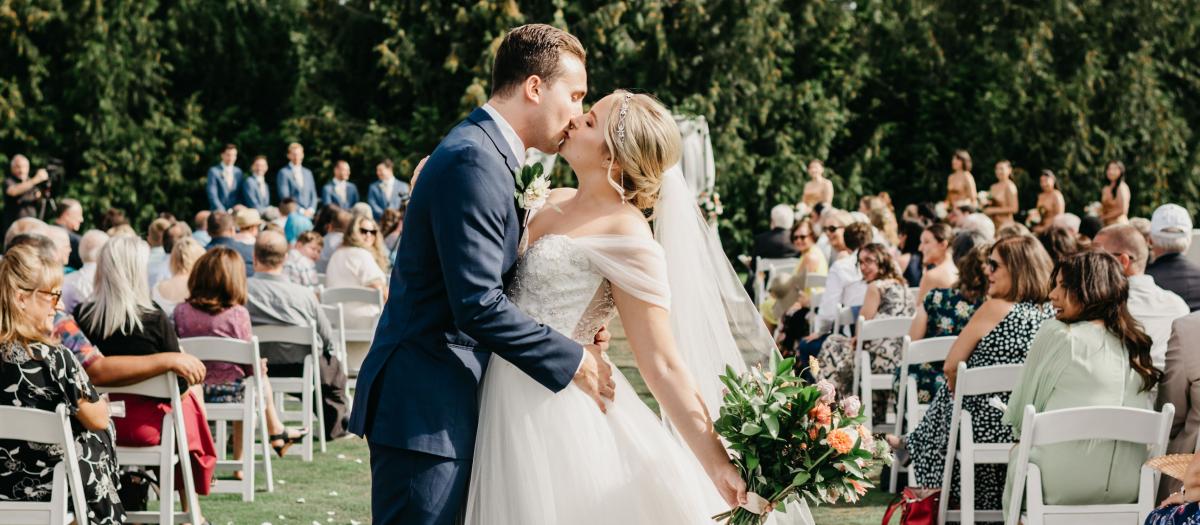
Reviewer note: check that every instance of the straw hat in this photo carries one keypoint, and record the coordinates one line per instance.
(247, 218)
(1174, 465)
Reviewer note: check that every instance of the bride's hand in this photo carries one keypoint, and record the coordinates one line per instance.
(730, 484)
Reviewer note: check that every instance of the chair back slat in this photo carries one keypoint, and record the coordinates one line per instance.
(30, 424)
(986, 379)
(929, 350)
(1131, 425)
(162, 386)
(348, 294)
(299, 335)
(814, 281)
(222, 349)
(892, 327)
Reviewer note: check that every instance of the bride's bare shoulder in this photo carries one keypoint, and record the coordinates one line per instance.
(627, 221)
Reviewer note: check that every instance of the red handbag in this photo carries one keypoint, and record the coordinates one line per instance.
(917, 506)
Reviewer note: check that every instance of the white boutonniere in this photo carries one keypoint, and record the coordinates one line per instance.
(533, 187)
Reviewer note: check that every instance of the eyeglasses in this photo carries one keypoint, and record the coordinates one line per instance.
(54, 296)
(993, 265)
(367, 231)
(833, 229)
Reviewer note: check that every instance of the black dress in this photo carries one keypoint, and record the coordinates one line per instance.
(42, 376)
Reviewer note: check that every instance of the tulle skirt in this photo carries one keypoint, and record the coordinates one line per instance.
(547, 459)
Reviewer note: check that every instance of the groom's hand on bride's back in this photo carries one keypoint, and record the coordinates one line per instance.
(595, 374)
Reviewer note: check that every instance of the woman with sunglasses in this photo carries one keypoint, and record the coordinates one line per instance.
(36, 371)
(361, 261)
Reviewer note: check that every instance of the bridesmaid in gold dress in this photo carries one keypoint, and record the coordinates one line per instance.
(1050, 203)
(960, 185)
(1004, 204)
(818, 188)
(1114, 198)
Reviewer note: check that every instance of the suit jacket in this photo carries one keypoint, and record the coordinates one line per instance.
(1176, 273)
(251, 196)
(243, 249)
(329, 196)
(446, 312)
(222, 197)
(285, 186)
(1180, 386)
(380, 202)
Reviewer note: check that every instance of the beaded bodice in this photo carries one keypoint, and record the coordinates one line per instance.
(557, 285)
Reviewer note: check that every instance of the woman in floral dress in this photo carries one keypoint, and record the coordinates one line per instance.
(37, 372)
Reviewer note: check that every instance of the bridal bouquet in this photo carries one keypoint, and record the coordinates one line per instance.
(794, 440)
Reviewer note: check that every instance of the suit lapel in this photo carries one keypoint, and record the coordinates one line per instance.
(482, 119)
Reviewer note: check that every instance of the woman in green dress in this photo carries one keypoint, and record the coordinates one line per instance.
(1093, 354)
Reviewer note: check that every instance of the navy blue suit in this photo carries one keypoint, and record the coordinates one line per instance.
(417, 395)
(251, 196)
(329, 196)
(380, 202)
(243, 249)
(285, 186)
(222, 197)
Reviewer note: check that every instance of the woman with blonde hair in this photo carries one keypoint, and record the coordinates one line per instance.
(36, 371)
(361, 262)
(174, 290)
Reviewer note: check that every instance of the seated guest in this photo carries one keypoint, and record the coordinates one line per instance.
(77, 287)
(272, 300)
(938, 258)
(979, 222)
(1012, 229)
(332, 230)
(844, 287)
(123, 320)
(1069, 221)
(887, 296)
(38, 372)
(793, 307)
(174, 290)
(998, 334)
(301, 264)
(1181, 387)
(70, 217)
(340, 190)
(161, 270)
(1180, 506)
(387, 193)
(215, 308)
(23, 225)
(248, 222)
(1093, 354)
(1170, 238)
(392, 225)
(1059, 242)
(200, 227)
(154, 237)
(62, 246)
(1088, 228)
(945, 311)
(911, 265)
(359, 262)
(223, 229)
(775, 243)
(1152, 306)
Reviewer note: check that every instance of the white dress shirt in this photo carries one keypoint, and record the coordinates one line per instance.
(262, 184)
(843, 287)
(298, 175)
(386, 185)
(339, 188)
(510, 134)
(227, 174)
(1156, 309)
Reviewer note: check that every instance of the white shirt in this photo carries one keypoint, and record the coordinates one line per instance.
(510, 134)
(298, 175)
(843, 287)
(262, 184)
(1156, 309)
(227, 174)
(339, 187)
(78, 286)
(386, 185)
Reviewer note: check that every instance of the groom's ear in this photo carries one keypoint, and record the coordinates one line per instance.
(533, 88)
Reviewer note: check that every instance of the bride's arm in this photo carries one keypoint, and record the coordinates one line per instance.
(648, 330)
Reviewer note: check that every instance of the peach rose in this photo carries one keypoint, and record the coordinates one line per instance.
(821, 414)
(840, 440)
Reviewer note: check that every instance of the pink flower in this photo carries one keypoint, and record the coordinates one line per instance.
(821, 414)
(868, 441)
(828, 391)
(851, 405)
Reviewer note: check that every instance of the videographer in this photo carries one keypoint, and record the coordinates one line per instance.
(21, 193)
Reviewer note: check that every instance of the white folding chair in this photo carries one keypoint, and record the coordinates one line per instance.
(251, 412)
(814, 281)
(765, 268)
(866, 381)
(845, 319)
(371, 296)
(308, 385)
(171, 450)
(978, 381)
(336, 313)
(1130, 425)
(913, 295)
(47, 428)
(914, 353)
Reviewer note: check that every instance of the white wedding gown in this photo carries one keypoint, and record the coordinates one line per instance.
(548, 459)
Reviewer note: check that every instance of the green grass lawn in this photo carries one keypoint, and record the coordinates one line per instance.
(335, 487)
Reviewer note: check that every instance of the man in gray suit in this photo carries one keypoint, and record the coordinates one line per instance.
(1181, 387)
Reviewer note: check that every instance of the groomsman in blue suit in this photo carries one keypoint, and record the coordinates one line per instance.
(296, 181)
(253, 193)
(340, 190)
(223, 181)
(387, 193)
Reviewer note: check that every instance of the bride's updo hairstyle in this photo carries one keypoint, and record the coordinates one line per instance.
(644, 141)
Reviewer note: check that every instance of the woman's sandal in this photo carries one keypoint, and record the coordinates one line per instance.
(288, 440)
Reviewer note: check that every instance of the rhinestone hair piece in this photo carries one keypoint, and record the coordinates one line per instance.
(621, 117)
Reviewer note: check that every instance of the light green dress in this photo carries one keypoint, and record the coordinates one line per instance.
(1071, 366)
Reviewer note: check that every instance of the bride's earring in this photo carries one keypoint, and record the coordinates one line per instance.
(619, 187)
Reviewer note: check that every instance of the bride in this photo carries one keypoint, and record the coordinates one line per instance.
(590, 254)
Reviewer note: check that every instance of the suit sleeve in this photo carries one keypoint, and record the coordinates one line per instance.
(214, 198)
(373, 193)
(281, 185)
(469, 224)
(1177, 381)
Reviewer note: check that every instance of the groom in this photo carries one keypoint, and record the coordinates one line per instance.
(417, 396)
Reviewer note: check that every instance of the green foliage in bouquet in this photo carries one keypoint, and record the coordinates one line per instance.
(790, 440)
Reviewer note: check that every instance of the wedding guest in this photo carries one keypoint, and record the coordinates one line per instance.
(161, 270)
(216, 308)
(1180, 507)
(22, 226)
(340, 190)
(818, 189)
(392, 226)
(248, 222)
(387, 193)
(296, 181)
(296, 223)
(1114, 198)
(910, 258)
(844, 286)
(272, 300)
(1088, 228)
(1181, 387)
(1068, 221)
(200, 227)
(359, 262)
(70, 217)
(1156, 309)
(300, 267)
(223, 181)
(938, 259)
(77, 287)
(884, 221)
(812, 262)
(154, 237)
(774, 243)
(960, 185)
(123, 320)
(1094, 354)
(1059, 242)
(222, 227)
(38, 372)
(113, 220)
(1143, 227)
(1012, 229)
(1003, 195)
(1170, 238)
(980, 223)
(1050, 202)
(62, 245)
(174, 290)
(999, 333)
(253, 191)
(333, 233)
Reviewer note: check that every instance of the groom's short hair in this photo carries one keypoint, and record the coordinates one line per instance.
(531, 49)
